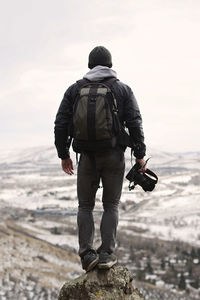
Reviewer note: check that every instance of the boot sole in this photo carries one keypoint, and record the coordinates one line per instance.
(92, 264)
(107, 265)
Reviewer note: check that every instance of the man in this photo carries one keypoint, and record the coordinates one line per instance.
(109, 164)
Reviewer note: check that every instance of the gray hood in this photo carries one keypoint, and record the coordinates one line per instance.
(99, 73)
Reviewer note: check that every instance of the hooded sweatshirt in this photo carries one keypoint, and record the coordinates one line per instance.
(100, 72)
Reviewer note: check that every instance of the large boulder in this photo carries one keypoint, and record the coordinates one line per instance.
(112, 284)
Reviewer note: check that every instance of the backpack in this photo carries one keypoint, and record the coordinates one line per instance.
(96, 123)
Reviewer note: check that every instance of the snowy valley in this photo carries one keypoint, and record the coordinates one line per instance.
(38, 231)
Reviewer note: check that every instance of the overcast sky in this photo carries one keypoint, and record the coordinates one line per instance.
(155, 47)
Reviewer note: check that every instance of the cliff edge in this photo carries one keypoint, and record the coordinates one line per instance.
(112, 284)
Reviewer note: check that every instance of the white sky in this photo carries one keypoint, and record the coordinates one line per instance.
(155, 47)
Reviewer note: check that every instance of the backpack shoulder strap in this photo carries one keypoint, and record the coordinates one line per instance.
(107, 81)
(110, 81)
(82, 82)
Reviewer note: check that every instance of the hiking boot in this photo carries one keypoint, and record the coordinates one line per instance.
(106, 260)
(89, 260)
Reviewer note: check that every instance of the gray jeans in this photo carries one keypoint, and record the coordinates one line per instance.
(110, 167)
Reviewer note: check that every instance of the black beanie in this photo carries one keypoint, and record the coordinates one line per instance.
(100, 56)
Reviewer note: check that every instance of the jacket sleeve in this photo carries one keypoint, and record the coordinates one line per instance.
(63, 123)
(133, 121)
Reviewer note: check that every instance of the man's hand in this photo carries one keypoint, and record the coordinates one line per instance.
(67, 166)
(142, 163)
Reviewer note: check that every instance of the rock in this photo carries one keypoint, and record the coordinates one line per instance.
(112, 284)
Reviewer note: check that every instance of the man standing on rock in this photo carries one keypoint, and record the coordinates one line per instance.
(94, 111)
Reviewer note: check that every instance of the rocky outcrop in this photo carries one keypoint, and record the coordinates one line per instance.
(112, 284)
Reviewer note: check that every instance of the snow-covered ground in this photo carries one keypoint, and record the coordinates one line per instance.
(33, 179)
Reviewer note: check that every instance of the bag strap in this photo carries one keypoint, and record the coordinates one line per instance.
(151, 173)
(107, 81)
(118, 126)
(82, 82)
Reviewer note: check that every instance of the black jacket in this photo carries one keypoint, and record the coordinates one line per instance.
(129, 115)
